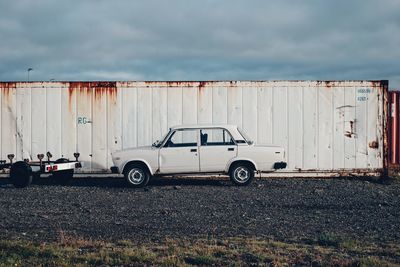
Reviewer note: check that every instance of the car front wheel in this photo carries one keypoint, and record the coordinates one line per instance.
(137, 176)
(241, 174)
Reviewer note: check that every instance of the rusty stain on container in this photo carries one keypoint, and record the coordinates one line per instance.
(201, 86)
(7, 88)
(384, 89)
(328, 84)
(98, 89)
(374, 144)
(109, 89)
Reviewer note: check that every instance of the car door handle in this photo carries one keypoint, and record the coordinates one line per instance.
(193, 150)
(231, 149)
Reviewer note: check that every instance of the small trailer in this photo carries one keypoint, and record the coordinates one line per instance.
(22, 172)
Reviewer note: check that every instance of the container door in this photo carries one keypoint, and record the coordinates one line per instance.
(180, 154)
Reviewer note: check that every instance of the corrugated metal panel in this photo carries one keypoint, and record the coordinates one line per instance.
(324, 126)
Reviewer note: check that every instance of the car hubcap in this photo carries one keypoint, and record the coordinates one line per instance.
(242, 174)
(136, 176)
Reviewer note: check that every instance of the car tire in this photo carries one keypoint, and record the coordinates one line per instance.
(241, 174)
(21, 174)
(63, 177)
(136, 175)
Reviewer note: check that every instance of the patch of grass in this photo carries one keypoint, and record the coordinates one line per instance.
(328, 240)
(375, 262)
(327, 250)
(200, 260)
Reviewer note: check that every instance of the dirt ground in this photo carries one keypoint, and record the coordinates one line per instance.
(281, 209)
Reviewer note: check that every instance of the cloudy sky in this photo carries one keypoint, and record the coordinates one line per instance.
(200, 40)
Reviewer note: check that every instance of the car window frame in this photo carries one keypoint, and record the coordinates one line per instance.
(172, 132)
(217, 128)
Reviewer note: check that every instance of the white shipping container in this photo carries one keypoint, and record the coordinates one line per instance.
(326, 127)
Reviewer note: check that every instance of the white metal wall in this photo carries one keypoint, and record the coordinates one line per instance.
(322, 125)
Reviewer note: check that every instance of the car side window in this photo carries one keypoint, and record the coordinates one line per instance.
(182, 138)
(215, 137)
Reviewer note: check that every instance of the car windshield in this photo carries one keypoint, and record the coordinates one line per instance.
(246, 138)
(158, 143)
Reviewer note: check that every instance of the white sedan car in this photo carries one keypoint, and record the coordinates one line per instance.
(199, 149)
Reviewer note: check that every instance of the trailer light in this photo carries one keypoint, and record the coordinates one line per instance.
(52, 168)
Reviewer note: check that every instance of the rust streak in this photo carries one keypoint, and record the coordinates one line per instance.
(7, 88)
(328, 84)
(178, 83)
(80, 89)
(108, 89)
(374, 144)
(201, 86)
(378, 84)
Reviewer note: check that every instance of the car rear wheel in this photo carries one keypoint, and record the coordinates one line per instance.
(241, 174)
(136, 176)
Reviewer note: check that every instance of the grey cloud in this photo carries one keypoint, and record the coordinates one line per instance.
(200, 40)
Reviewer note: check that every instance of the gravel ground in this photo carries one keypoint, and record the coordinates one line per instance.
(283, 209)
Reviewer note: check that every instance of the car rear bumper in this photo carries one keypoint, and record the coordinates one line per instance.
(280, 165)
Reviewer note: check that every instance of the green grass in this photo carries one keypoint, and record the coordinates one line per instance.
(327, 250)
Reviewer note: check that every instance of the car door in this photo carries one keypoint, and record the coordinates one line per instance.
(180, 152)
(217, 148)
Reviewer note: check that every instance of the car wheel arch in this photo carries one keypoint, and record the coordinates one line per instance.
(248, 162)
(137, 162)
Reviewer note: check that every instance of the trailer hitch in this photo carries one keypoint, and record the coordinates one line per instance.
(49, 156)
(40, 157)
(11, 157)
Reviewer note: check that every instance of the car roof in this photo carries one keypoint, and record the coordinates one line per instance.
(202, 126)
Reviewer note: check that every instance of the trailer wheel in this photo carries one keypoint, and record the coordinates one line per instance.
(63, 177)
(21, 174)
